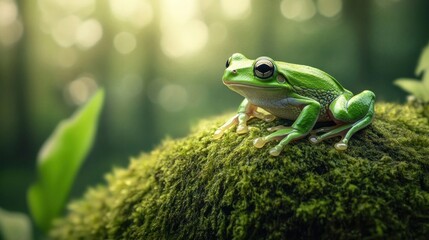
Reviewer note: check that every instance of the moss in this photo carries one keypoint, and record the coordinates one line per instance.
(199, 188)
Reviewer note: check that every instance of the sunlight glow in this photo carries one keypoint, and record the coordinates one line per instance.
(81, 7)
(9, 35)
(329, 8)
(236, 9)
(8, 12)
(64, 31)
(185, 40)
(218, 32)
(177, 12)
(182, 32)
(125, 42)
(11, 28)
(298, 10)
(137, 12)
(88, 33)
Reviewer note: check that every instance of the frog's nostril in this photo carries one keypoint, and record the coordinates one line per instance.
(234, 71)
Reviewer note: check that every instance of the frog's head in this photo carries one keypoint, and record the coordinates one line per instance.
(244, 75)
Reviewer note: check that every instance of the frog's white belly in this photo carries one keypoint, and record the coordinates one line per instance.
(287, 108)
(279, 108)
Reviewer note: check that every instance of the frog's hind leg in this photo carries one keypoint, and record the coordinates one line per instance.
(329, 132)
(356, 112)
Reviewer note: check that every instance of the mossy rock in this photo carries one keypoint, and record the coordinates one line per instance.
(200, 188)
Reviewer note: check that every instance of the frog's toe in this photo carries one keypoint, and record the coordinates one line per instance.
(275, 151)
(341, 146)
(242, 129)
(259, 142)
(218, 134)
(314, 139)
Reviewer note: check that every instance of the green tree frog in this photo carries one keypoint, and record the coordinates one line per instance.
(300, 93)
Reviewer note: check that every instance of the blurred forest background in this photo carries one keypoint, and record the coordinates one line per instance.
(161, 62)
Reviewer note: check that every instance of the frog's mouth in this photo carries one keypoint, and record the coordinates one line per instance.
(251, 91)
(237, 85)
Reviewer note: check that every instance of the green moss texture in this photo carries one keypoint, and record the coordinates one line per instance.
(200, 188)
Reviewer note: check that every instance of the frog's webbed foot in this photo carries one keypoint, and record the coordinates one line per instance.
(330, 132)
(285, 135)
(227, 125)
(246, 111)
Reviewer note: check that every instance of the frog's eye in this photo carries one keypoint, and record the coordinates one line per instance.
(264, 68)
(228, 62)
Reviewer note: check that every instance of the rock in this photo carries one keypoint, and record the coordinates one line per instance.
(200, 188)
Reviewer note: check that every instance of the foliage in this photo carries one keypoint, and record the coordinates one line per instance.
(14, 226)
(200, 188)
(59, 160)
(419, 89)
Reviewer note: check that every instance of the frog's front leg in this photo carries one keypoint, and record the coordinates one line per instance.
(300, 128)
(245, 111)
(353, 112)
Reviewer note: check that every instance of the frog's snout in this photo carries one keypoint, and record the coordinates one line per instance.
(229, 73)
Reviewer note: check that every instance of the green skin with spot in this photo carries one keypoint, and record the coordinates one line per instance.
(295, 92)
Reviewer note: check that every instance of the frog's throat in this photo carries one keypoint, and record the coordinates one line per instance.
(235, 85)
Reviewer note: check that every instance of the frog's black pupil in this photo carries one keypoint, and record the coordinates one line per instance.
(227, 63)
(263, 68)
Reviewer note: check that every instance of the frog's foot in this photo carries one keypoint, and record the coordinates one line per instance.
(277, 135)
(339, 130)
(341, 145)
(329, 132)
(227, 125)
(246, 111)
(285, 135)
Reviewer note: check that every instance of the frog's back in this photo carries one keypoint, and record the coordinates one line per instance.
(306, 77)
(313, 83)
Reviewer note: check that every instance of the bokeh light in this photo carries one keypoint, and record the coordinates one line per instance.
(88, 33)
(185, 39)
(298, 10)
(64, 31)
(80, 90)
(183, 33)
(8, 12)
(329, 8)
(125, 42)
(11, 28)
(237, 9)
(137, 12)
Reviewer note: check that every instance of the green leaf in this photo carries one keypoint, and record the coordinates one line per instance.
(14, 225)
(414, 87)
(423, 61)
(59, 160)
